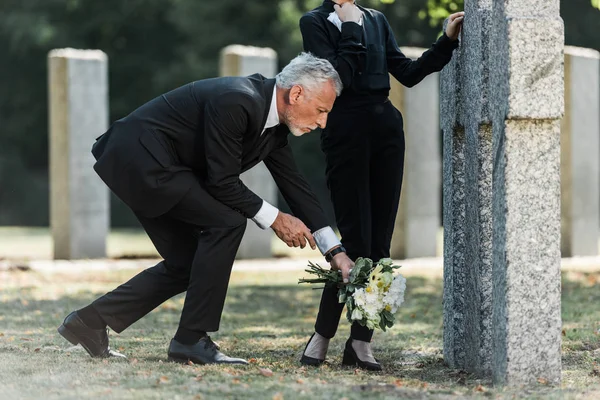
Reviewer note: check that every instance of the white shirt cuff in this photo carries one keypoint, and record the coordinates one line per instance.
(265, 217)
(326, 239)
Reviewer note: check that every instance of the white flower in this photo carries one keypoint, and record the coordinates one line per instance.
(357, 315)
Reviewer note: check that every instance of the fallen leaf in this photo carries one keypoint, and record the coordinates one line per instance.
(189, 362)
(480, 388)
(398, 383)
(424, 385)
(252, 361)
(37, 350)
(1, 334)
(162, 379)
(198, 397)
(300, 381)
(235, 381)
(26, 339)
(564, 332)
(265, 371)
(420, 365)
(413, 315)
(134, 361)
(121, 349)
(198, 377)
(278, 396)
(542, 381)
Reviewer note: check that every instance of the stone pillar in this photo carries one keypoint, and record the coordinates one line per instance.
(580, 146)
(239, 60)
(418, 220)
(526, 70)
(79, 200)
(467, 196)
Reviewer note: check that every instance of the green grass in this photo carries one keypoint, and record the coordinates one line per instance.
(267, 318)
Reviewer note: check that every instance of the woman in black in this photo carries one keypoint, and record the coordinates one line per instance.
(363, 143)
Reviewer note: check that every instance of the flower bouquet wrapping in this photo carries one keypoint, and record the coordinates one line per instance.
(373, 293)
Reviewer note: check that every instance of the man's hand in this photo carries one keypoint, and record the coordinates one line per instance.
(341, 262)
(292, 231)
(455, 22)
(348, 12)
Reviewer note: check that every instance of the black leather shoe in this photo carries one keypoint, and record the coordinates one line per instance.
(94, 341)
(351, 358)
(306, 360)
(205, 351)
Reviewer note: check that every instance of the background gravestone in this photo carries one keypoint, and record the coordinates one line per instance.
(580, 148)
(419, 213)
(79, 200)
(239, 60)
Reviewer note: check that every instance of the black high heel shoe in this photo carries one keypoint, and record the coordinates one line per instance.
(306, 360)
(351, 358)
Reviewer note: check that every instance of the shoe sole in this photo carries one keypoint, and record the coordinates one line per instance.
(181, 360)
(72, 338)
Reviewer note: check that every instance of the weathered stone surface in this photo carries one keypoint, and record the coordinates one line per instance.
(526, 318)
(418, 219)
(239, 60)
(454, 213)
(467, 277)
(79, 200)
(580, 136)
(535, 55)
(527, 92)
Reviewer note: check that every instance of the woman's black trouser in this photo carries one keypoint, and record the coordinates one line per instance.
(364, 150)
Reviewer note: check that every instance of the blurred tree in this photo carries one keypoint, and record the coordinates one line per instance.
(156, 45)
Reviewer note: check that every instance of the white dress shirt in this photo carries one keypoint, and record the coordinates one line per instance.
(325, 237)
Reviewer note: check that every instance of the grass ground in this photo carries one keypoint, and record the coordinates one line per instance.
(267, 319)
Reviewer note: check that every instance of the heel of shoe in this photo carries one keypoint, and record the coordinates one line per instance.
(348, 358)
(64, 332)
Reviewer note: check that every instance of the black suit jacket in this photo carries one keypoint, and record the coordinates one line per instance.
(207, 132)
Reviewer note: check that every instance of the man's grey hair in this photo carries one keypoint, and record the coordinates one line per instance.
(310, 72)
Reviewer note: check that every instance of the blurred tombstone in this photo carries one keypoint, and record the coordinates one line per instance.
(580, 147)
(419, 213)
(79, 200)
(237, 60)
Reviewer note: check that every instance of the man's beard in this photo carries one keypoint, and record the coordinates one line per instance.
(290, 122)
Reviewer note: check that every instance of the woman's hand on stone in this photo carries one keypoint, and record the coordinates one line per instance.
(454, 26)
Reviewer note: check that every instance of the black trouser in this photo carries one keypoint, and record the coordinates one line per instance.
(198, 240)
(364, 150)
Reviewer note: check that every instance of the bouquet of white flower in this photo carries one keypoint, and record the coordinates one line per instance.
(373, 293)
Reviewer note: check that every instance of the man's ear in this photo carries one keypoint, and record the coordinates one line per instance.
(296, 94)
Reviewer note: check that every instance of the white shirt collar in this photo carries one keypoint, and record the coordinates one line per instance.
(273, 116)
(334, 19)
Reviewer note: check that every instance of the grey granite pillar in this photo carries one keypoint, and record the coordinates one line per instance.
(418, 220)
(580, 147)
(526, 69)
(467, 196)
(79, 200)
(239, 60)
